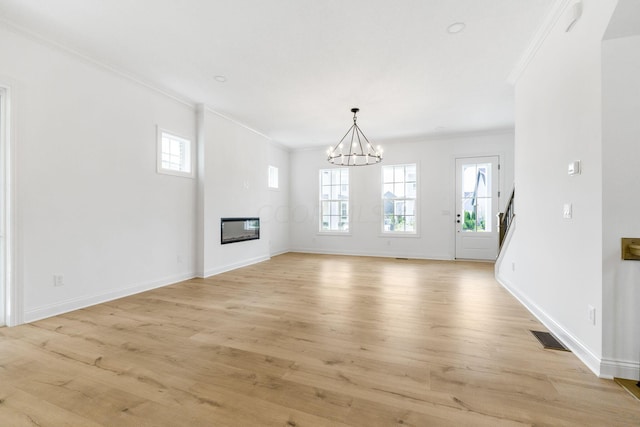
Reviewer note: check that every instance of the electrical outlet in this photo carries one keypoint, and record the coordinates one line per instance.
(592, 314)
(58, 280)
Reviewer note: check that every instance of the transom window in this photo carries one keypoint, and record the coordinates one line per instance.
(399, 199)
(174, 154)
(334, 200)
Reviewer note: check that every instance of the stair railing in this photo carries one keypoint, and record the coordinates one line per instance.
(506, 218)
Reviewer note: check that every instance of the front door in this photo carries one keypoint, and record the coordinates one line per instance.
(477, 181)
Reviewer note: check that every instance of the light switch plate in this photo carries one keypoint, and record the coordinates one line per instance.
(574, 168)
(567, 211)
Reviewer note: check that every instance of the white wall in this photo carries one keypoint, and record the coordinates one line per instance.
(621, 204)
(558, 262)
(436, 176)
(90, 205)
(276, 213)
(235, 185)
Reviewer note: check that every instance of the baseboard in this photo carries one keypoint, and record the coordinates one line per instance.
(610, 368)
(438, 257)
(229, 267)
(592, 361)
(55, 309)
(282, 252)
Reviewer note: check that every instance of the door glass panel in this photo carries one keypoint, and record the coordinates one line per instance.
(468, 180)
(469, 215)
(482, 181)
(482, 219)
(476, 197)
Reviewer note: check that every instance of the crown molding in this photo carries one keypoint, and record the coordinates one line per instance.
(38, 38)
(554, 15)
(238, 123)
(424, 138)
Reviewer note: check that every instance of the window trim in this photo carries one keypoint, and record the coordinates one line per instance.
(320, 200)
(161, 170)
(416, 232)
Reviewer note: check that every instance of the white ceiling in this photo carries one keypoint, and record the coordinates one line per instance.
(295, 68)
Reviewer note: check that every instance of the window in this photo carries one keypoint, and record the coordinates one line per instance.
(174, 154)
(334, 200)
(399, 199)
(273, 177)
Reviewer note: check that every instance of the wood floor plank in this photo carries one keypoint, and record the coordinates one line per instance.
(304, 340)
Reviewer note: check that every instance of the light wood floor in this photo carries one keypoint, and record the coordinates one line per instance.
(304, 340)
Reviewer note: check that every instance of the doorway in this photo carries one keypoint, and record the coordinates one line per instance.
(477, 184)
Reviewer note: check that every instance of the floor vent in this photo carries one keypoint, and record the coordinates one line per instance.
(549, 341)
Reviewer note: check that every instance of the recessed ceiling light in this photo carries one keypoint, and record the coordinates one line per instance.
(456, 27)
(220, 79)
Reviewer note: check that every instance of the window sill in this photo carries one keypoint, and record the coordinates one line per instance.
(333, 233)
(190, 175)
(401, 235)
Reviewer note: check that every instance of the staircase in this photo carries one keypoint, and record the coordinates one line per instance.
(505, 219)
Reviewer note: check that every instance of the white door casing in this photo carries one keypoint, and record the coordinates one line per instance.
(477, 204)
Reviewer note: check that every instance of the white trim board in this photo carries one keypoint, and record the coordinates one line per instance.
(234, 266)
(38, 38)
(538, 39)
(86, 301)
(592, 361)
(372, 254)
(610, 368)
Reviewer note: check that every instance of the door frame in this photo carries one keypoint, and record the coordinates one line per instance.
(454, 188)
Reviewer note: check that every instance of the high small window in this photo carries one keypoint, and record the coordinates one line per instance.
(174, 154)
(273, 177)
(399, 197)
(334, 200)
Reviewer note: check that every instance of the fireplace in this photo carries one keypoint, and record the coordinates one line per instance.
(234, 230)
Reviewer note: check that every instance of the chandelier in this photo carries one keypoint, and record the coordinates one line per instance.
(354, 150)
